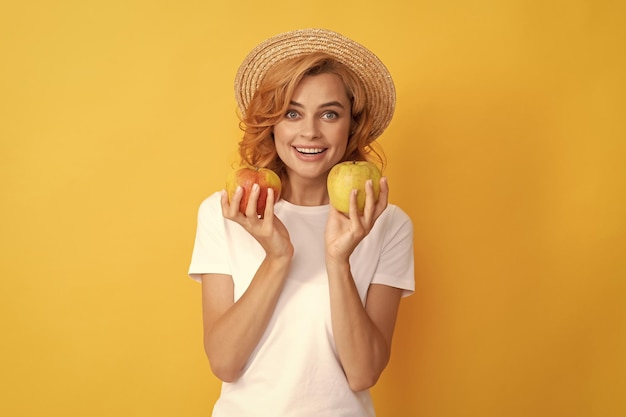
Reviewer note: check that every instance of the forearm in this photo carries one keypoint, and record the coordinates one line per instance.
(361, 346)
(231, 339)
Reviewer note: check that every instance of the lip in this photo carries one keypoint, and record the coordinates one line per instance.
(309, 150)
(309, 153)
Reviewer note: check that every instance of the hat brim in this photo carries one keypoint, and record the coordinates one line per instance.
(379, 87)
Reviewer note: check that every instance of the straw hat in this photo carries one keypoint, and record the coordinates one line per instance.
(379, 87)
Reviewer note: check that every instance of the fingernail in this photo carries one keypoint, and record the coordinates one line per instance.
(255, 187)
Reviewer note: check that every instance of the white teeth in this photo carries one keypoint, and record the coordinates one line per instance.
(310, 151)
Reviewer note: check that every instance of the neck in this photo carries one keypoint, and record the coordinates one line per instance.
(305, 193)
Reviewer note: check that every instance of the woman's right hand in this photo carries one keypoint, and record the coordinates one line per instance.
(233, 329)
(268, 230)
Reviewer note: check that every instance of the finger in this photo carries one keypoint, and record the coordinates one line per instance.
(252, 201)
(370, 202)
(383, 196)
(231, 208)
(384, 185)
(358, 228)
(354, 205)
(224, 202)
(269, 204)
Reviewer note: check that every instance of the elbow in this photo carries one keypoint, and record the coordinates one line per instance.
(225, 373)
(223, 369)
(363, 382)
(365, 377)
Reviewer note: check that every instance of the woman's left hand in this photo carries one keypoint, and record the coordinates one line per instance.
(344, 233)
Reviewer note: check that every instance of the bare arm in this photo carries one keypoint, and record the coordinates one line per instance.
(362, 334)
(233, 329)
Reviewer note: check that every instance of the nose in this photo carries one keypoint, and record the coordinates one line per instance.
(310, 128)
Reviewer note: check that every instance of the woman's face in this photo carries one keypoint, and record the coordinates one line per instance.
(313, 134)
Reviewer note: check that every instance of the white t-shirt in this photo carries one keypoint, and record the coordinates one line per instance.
(294, 370)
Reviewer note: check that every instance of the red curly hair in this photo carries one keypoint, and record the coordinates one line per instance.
(271, 100)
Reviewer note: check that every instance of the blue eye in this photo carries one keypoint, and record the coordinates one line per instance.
(331, 115)
(291, 114)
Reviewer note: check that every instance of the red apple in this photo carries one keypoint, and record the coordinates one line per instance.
(347, 176)
(246, 177)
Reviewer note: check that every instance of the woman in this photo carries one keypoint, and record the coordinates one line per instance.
(299, 306)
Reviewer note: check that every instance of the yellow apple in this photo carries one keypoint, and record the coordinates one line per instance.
(347, 176)
(246, 177)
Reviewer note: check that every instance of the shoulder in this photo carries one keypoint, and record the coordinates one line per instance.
(210, 210)
(211, 204)
(393, 225)
(394, 217)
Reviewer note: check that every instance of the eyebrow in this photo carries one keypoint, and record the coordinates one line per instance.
(324, 105)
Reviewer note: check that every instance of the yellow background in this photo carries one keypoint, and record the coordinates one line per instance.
(507, 150)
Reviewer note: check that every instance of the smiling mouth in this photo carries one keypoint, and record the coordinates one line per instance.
(310, 151)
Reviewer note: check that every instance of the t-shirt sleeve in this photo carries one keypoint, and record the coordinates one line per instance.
(210, 251)
(396, 266)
